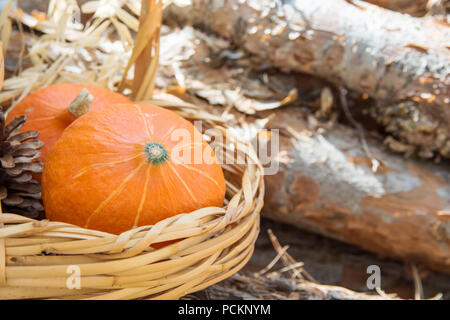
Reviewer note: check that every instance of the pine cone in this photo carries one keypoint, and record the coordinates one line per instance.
(19, 192)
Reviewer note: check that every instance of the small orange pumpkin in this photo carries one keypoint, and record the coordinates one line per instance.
(47, 109)
(121, 167)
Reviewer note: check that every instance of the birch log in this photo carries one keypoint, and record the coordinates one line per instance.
(401, 61)
(327, 185)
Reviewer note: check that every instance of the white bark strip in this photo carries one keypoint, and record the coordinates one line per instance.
(392, 57)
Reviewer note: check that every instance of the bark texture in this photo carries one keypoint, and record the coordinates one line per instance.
(416, 8)
(327, 185)
(324, 183)
(395, 58)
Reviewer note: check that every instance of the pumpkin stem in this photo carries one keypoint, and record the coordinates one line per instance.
(81, 104)
(155, 152)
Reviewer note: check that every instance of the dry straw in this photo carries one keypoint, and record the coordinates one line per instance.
(50, 259)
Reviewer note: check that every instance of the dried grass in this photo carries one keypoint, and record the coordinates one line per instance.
(291, 282)
(68, 51)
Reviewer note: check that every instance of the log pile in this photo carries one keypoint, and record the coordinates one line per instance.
(399, 60)
(346, 183)
(328, 185)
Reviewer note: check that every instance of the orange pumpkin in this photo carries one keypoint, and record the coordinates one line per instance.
(47, 109)
(129, 165)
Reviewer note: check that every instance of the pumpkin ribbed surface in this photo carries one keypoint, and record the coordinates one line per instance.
(129, 165)
(46, 109)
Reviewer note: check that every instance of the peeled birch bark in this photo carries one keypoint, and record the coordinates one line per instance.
(327, 184)
(401, 61)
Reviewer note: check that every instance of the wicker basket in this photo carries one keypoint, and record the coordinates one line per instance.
(49, 259)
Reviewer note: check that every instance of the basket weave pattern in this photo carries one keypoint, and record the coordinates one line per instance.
(38, 259)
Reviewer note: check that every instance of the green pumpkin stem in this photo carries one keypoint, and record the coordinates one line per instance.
(156, 153)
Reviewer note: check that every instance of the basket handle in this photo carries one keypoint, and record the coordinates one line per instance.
(145, 54)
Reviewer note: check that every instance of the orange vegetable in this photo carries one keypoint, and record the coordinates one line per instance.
(47, 109)
(129, 165)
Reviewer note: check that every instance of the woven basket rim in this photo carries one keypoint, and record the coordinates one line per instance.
(36, 257)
